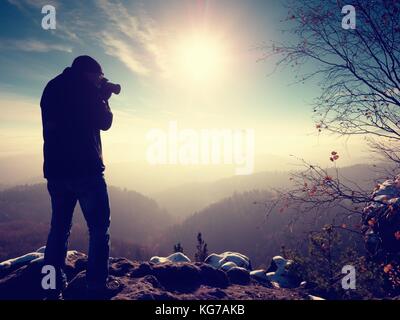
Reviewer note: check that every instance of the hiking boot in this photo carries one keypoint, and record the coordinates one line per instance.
(56, 294)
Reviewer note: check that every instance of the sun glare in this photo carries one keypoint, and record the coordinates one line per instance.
(200, 58)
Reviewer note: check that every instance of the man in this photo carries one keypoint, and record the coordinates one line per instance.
(74, 110)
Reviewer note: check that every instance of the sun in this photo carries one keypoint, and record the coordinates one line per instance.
(200, 58)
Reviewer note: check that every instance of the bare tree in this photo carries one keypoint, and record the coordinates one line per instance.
(359, 74)
(358, 69)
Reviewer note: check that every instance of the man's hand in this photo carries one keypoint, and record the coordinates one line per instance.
(105, 94)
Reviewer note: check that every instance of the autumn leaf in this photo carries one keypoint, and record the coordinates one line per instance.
(377, 187)
(387, 268)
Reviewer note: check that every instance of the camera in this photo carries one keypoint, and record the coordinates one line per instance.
(107, 88)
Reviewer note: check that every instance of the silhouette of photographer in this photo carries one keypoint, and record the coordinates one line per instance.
(75, 108)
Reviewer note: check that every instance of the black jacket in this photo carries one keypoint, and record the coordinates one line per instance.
(73, 113)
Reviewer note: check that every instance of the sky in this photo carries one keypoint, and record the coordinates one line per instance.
(195, 63)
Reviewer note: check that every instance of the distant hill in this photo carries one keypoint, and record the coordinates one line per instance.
(25, 214)
(240, 223)
(184, 200)
(223, 210)
(236, 223)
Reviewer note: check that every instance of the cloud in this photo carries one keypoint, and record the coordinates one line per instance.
(125, 53)
(125, 32)
(32, 45)
(134, 39)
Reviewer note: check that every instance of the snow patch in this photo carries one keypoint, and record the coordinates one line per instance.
(259, 275)
(281, 277)
(175, 257)
(25, 259)
(228, 260)
(32, 257)
(228, 265)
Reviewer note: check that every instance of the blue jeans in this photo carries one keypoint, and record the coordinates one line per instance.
(91, 192)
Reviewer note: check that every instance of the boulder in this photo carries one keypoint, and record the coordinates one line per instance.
(19, 261)
(239, 275)
(41, 249)
(281, 277)
(228, 265)
(175, 257)
(25, 281)
(144, 281)
(33, 257)
(213, 277)
(178, 277)
(218, 260)
(259, 275)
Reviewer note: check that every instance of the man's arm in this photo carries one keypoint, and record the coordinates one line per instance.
(103, 116)
(49, 112)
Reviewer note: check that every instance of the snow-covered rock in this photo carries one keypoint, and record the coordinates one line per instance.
(238, 264)
(25, 259)
(381, 219)
(218, 260)
(280, 278)
(259, 275)
(157, 259)
(175, 257)
(151, 282)
(213, 260)
(32, 257)
(238, 275)
(41, 249)
(228, 265)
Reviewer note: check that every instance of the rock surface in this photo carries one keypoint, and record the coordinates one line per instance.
(148, 281)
